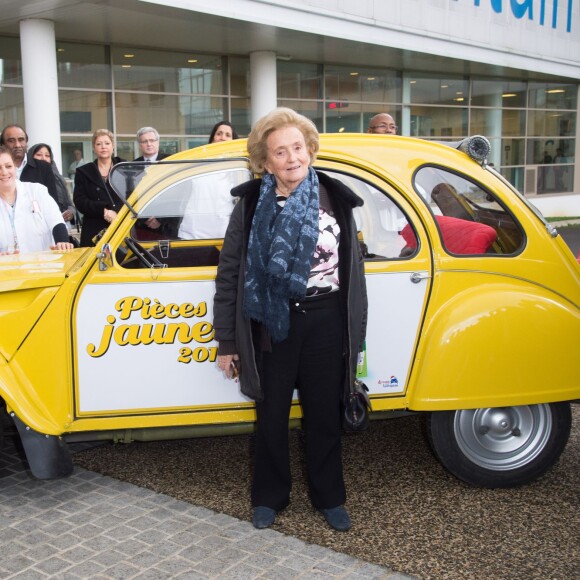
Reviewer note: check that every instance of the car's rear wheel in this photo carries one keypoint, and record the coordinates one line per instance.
(500, 446)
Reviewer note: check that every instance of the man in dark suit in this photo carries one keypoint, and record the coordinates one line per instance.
(153, 228)
(148, 139)
(27, 169)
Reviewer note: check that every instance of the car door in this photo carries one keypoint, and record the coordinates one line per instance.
(143, 329)
(398, 276)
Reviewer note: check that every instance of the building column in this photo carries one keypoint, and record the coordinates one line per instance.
(39, 76)
(262, 84)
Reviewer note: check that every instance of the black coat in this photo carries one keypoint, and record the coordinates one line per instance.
(234, 331)
(91, 196)
(160, 156)
(38, 171)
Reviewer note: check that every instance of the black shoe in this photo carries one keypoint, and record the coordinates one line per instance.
(337, 518)
(263, 517)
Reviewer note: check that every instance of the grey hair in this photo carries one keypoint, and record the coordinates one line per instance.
(144, 130)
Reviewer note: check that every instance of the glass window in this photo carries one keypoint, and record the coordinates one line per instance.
(170, 114)
(515, 175)
(83, 66)
(11, 62)
(194, 208)
(239, 76)
(438, 122)
(498, 93)
(168, 72)
(513, 152)
(555, 158)
(384, 230)
(470, 219)
(299, 80)
(240, 116)
(311, 109)
(360, 84)
(551, 123)
(11, 106)
(84, 111)
(433, 90)
(544, 151)
(498, 122)
(552, 96)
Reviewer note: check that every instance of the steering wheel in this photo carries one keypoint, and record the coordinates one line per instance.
(144, 256)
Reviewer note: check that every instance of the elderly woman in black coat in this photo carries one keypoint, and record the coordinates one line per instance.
(290, 310)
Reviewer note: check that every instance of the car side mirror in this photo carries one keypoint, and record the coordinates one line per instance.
(105, 258)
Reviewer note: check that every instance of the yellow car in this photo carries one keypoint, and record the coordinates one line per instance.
(474, 311)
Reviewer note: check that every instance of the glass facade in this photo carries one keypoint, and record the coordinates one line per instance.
(531, 125)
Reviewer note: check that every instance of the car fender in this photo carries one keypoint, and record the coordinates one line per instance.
(498, 341)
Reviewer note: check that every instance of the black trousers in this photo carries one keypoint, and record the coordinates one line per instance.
(310, 359)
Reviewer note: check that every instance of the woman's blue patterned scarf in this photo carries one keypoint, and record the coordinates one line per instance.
(280, 251)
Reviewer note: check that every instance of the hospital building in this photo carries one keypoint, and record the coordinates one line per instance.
(444, 69)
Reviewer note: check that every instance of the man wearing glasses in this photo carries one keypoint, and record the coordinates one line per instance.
(148, 139)
(382, 124)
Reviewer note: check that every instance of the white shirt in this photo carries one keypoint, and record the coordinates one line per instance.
(22, 166)
(31, 221)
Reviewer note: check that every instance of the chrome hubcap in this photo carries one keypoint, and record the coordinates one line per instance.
(503, 438)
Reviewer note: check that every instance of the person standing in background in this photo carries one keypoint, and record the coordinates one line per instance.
(148, 140)
(382, 124)
(76, 163)
(222, 131)
(93, 195)
(43, 152)
(27, 169)
(30, 220)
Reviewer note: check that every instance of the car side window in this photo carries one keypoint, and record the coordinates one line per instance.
(184, 224)
(383, 228)
(470, 219)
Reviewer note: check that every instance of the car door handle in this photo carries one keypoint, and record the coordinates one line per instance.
(416, 277)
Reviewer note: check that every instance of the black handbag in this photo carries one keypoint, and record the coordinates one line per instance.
(356, 407)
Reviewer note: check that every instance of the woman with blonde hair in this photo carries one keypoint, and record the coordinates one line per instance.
(290, 310)
(93, 195)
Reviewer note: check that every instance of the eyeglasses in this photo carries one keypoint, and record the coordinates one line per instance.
(148, 141)
(385, 126)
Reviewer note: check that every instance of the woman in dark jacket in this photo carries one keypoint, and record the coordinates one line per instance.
(93, 195)
(43, 152)
(290, 310)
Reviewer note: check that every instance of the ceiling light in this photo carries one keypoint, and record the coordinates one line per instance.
(192, 60)
(444, 86)
(459, 99)
(553, 91)
(371, 78)
(353, 74)
(125, 66)
(129, 55)
(508, 95)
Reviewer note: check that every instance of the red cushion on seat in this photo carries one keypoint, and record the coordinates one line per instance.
(459, 236)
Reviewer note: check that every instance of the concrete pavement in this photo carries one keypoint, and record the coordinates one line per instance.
(92, 526)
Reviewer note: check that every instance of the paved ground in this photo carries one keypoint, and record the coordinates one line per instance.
(92, 526)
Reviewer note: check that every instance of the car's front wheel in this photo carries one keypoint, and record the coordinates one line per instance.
(500, 446)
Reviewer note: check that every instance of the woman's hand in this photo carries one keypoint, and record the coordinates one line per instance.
(225, 363)
(62, 247)
(109, 215)
(67, 215)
